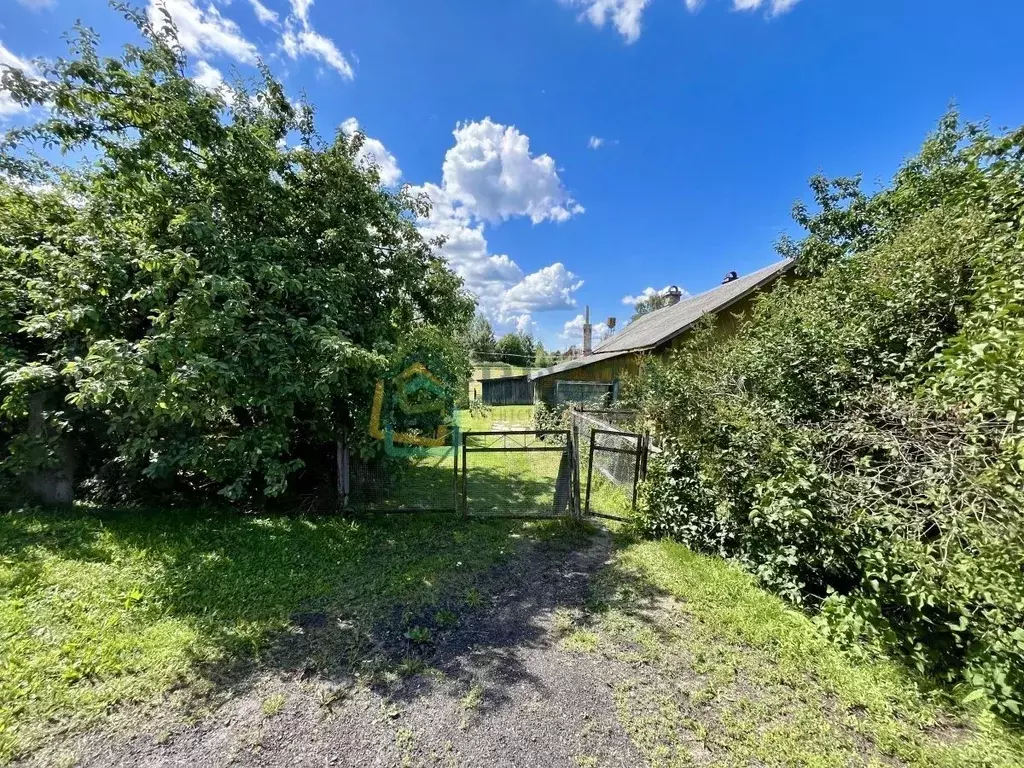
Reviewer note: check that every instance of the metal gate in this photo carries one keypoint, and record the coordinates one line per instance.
(528, 473)
(616, 463)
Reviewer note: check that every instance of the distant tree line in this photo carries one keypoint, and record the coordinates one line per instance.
(518, 348)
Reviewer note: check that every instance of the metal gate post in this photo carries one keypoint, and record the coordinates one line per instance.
(590, 469)
(455, 462)
(636, 469)
(465, 471)
(574, 436)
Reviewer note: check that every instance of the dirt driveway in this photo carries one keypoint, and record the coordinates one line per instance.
(572, 653)
(495, 689)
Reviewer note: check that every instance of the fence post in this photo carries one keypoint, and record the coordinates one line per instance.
(455, 461)
(590, 471)
(465, 472)
(636, 469)
(341, 458)
(574, 436)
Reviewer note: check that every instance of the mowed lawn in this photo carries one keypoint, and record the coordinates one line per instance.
(511, 482)
(106, 611)
(499, 482)
(719, 672)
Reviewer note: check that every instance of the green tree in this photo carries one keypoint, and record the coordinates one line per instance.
(212, 296)
(541, 357)
(515, 349)
(647, 305)
(480, 338)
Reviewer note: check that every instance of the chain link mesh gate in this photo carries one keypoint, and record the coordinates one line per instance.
(528, 473)
(427, 482)
(612, 460)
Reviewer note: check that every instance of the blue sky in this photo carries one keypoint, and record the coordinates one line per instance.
(711, 116)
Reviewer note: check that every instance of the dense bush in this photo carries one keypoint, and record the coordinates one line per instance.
(207, 291)
(858, 445)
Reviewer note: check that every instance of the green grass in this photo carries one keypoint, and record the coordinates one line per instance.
(107, 613)
(273, 704)
(499, 483)
(486, 419)
(428, 482)
(513, 482)
(736, 677)
(99, 610)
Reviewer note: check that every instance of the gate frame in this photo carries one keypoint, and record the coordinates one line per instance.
(640, 467)
(570, 447)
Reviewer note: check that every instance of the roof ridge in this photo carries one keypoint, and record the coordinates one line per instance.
(690, 310)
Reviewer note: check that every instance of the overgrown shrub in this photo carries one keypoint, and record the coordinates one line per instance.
(858, 444)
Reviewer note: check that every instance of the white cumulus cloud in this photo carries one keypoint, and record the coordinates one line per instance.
(648, 293)
(204, 32)
(572, 331)
(209, 77)
(491, 172)
(489, 176)
(373, 152)
(776, 7)
(506, 294)
(300, 39)
(301, 9)
(36, 5)
(547, 289)
(626, 15)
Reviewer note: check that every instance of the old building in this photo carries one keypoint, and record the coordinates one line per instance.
(507, 390)
(597, 375)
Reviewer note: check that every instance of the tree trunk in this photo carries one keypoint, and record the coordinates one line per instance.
(54, 482)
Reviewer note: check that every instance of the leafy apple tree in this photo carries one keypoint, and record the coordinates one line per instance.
(196, 289)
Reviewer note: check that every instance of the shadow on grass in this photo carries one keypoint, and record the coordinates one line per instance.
(323, 599)
(335, 602)
(516, 489)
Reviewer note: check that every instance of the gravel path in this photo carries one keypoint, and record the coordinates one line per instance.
(494, 691)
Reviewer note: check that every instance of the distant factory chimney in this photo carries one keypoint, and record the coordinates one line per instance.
(730, 277)
(588, 333)
(672, 296)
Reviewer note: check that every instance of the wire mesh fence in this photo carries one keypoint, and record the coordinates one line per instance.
(518, 474)
(414, 483)
(611, 462)
(507, 469)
